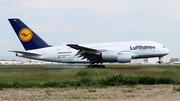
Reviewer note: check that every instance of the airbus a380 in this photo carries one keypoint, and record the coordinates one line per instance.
(97, 53)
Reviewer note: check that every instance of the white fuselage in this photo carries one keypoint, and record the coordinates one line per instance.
(65, 54)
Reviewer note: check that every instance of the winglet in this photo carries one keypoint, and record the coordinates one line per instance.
(63, 43)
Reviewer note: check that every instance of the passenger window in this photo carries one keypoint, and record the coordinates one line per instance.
(163, 46)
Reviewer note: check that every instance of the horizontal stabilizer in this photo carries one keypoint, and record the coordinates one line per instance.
(27, 53)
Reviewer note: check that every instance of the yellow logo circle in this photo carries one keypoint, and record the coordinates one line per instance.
(25, 34)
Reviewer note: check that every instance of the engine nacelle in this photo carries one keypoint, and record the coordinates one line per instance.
(113, 56)
(109, 56)
(124, 57)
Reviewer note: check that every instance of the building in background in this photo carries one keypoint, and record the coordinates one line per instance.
(174, 60)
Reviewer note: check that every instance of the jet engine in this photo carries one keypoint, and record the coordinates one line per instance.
(113, 56)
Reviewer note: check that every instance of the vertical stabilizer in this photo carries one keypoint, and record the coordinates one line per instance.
(29, 39)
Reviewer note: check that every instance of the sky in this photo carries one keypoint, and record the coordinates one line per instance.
(92, 21)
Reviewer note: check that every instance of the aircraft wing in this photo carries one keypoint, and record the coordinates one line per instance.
(82, 48)
(27, 53)
(86, 52)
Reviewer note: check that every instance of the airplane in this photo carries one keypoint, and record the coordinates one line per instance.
(95, 54)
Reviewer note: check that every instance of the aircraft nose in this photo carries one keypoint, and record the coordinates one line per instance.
(167, 51)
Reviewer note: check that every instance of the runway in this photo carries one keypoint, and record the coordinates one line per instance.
(45, 67)
(57, 67)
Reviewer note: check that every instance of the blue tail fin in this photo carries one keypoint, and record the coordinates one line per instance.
(28, 38)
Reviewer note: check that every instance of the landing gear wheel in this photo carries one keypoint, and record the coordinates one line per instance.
(160, 62)
(102, 66)
(95, 66)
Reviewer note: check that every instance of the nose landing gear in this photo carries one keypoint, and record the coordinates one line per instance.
(160, 60)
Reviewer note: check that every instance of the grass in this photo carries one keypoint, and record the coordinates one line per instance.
(177, 89)
(92, 90)
(61, 78)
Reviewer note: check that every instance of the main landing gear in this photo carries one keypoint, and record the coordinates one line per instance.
(160, 60)
(95, 66)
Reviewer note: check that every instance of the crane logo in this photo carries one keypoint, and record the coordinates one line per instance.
(25, 34)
